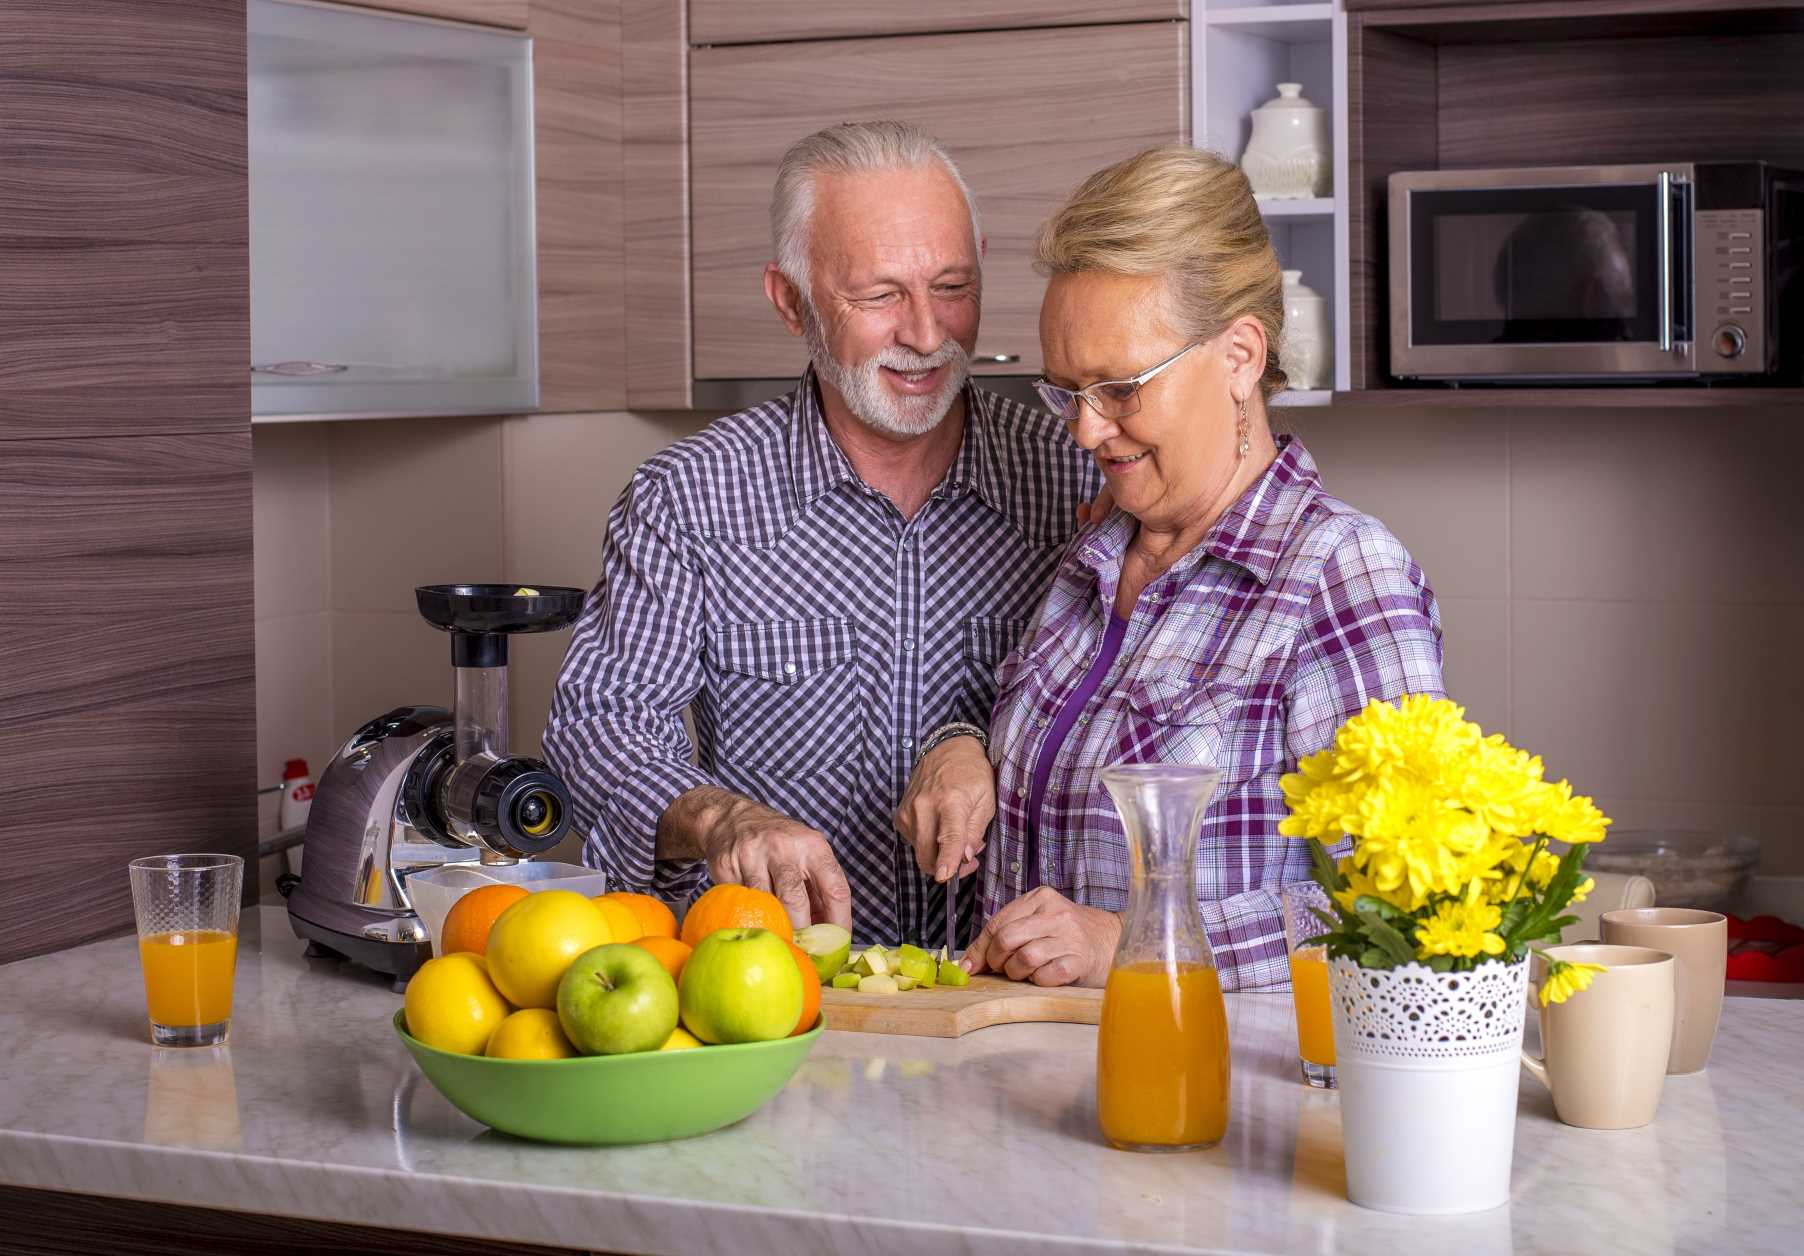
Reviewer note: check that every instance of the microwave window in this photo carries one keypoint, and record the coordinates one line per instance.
(1566, 264)
(1533, 265)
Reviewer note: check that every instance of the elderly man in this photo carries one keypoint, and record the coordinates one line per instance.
(824, 579)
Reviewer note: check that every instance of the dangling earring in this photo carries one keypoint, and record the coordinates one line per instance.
(1246, 436)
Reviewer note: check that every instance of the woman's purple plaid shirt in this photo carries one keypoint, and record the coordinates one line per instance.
(1294, 613)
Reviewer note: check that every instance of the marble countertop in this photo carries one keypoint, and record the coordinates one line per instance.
(880, 1144)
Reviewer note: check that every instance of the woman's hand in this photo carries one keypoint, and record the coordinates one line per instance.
(948, 806)
(1045, 938)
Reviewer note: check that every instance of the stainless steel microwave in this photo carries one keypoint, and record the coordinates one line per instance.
(1691, 270)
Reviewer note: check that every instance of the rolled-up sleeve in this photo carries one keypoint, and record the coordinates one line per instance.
(616, 731)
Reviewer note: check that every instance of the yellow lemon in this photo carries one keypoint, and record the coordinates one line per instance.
(680, 1040)
(452, 1004)
(532, 1033)
(623, 921)
(533, 942)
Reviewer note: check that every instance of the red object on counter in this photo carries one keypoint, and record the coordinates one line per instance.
(1765, 948)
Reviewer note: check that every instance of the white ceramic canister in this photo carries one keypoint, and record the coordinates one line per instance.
(1306, 347)
(1291, 153)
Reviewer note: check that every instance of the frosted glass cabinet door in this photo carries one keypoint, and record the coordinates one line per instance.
(391, 192)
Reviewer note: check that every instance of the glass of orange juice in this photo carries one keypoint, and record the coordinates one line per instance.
(1309, 980)
(187, 908)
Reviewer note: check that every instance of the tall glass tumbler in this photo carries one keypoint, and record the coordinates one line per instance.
(1309, 981)
(187, 907)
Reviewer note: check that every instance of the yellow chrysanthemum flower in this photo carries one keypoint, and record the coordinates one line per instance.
(1566, 979)
(1460, 929)
(1568, 818)
(1359, 885)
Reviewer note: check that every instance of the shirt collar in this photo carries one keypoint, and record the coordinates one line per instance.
(818, 465)
(1251, 534)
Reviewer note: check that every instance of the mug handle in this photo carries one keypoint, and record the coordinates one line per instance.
(1536, 1066)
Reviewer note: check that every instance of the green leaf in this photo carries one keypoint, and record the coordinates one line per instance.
(1326, 874)
(1372, 957)
(1365, 903)
(1333, 922)
(1394, 944)
(1441, 963)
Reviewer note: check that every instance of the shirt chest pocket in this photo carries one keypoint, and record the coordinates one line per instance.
(1213, 720)
(787, 694)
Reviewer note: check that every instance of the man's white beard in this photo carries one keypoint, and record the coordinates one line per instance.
(862, 385)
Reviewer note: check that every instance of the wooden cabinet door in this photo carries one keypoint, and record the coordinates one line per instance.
(736, 22)
(1027, 114)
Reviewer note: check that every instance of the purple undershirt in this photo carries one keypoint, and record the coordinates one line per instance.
(1061, 729)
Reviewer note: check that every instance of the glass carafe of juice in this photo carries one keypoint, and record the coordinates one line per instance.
(1162, 1049)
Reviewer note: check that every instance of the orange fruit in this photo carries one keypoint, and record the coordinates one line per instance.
(811, 992)
(670, 952)
(655, 919)
(623, 922)
(736, 907)
(467, 924)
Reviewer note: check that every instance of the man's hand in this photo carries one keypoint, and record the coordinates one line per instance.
(747, 843)
(1045, 938)
(1098, 510)
(948, 806)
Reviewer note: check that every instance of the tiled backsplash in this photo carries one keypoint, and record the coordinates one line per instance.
(1622, 592)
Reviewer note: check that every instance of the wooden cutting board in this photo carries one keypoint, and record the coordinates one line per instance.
(944, 1012)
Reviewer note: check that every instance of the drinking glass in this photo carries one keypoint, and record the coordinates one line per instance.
(1309, 981)
(1162, 1046)
(187, 908)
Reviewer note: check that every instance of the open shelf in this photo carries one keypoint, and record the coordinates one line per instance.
(1297, 208)
(1286, 23)
(1606, 396)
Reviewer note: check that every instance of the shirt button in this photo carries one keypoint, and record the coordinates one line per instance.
(789, 668)
(1020, 791)
(908, 643)
(907, 742)
(1015, 866)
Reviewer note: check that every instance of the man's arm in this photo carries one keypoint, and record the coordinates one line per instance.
(616, 730)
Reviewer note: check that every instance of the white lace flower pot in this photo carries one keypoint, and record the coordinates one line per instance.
(1428, 1065)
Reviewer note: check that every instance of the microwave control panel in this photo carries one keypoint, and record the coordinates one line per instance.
(1730, 248)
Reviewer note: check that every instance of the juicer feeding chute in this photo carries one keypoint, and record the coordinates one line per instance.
(420, 787)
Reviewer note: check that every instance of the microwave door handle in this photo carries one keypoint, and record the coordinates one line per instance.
(1663, 217)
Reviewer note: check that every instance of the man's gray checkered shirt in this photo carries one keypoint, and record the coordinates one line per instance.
(816, 634)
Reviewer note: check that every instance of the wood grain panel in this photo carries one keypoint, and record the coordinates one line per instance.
(656, 161)
(1453, 20)
(53, 1223)
(1391, 126)
(1027, 114)
(127, 697)
(123, 218)
(577, 103)
(1586, 101)
(488, 12)
(736, 22)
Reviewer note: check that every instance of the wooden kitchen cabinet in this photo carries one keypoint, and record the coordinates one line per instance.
(736, 22)
(1027, 114)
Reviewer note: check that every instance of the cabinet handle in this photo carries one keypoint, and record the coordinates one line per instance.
(998, 359)
(298, 368)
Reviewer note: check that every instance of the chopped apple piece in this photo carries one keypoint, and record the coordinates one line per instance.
(876, 962)
(952, 975)
(846, 981)
(878, 985)
(905, 983)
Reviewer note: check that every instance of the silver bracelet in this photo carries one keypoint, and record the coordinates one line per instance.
(946, 732)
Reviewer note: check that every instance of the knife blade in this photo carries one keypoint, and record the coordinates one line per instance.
(952, 914)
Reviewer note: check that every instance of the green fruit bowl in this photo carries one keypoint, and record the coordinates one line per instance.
(597, 1100)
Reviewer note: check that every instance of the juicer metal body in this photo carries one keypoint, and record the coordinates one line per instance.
(371, 825)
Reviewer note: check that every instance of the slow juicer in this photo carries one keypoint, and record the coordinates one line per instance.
(420, 787)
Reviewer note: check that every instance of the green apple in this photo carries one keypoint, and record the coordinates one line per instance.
(828, 946)
(618, 998)
(741, 985)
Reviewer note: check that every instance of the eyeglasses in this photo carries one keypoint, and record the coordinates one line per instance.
(1110, 398)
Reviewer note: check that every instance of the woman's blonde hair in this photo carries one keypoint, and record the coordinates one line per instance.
(1188, 215)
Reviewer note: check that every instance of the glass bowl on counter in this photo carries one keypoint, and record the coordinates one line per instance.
(1688, 869)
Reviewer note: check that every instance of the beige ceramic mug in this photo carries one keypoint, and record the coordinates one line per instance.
(1699, 941)
(1604, 1049)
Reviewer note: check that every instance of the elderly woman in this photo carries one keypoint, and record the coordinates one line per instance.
(1229, 611)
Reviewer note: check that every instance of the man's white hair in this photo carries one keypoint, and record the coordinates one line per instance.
(848, 147)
